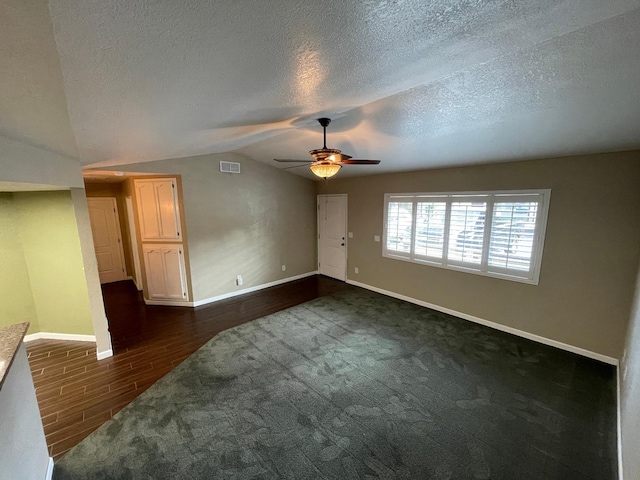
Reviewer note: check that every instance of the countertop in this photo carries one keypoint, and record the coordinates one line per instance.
(10, 340)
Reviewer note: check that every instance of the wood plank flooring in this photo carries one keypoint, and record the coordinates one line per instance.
(77, 393)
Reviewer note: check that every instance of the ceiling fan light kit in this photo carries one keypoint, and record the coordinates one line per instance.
(328, 161)
(325, 169)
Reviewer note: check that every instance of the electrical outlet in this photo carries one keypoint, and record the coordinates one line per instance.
(350, 234)
(284, 268)
(356, 269)
(239, 280)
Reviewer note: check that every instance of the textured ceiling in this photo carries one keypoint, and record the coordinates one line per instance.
(416, 84)
(32, 100)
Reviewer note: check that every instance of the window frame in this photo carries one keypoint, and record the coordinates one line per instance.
(532, 276)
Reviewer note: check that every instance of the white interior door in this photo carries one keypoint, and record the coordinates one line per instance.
(107, 240)
(332, 233)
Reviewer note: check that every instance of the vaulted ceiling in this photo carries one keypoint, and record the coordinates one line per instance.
(415, 84)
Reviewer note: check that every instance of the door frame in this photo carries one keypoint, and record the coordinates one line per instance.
(114, 202)
(133, 240)
(346, 223)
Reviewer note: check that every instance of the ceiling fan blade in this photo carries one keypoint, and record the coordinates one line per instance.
(340, 157)
(292, 160)
(356, 161)
(294, 166)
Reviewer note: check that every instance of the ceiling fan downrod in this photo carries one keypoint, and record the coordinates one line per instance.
(325, 123)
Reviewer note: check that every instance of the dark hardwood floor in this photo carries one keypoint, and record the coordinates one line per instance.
(77, 393)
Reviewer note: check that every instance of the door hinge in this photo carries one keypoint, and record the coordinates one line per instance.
(178, 234)
(114, 210)
(172, 185)
(180, 252)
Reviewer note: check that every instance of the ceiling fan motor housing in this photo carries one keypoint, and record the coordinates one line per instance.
(322, 153)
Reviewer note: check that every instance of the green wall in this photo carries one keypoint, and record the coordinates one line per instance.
(16, 301)
(42, 262)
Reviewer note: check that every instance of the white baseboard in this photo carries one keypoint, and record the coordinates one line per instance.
(105, 354)
(169, 303)
(620, 464)
(60, 336)
(224, 296)
(251, 289)
(49, 469)
(497, 326)
(70, 337)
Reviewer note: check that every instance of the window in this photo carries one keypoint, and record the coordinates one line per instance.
(499, 234)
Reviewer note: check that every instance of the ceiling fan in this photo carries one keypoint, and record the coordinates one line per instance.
(328, 161)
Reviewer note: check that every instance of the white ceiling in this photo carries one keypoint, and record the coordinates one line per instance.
(415, 84)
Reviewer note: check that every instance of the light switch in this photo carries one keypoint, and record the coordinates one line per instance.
(350, 234)
(376, 238)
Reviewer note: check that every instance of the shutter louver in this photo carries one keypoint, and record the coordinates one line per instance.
(500, 234)
(399, 227)
(512, 235)
(430, 223)
(466, 231)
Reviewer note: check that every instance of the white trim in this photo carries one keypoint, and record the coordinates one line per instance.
(49, 475)
(73, 337)
(483, 267)
(248, 290)
(497, 326)
(169, 303)
(60, 336)
(620, 464)
(131, 221)
(105, 354)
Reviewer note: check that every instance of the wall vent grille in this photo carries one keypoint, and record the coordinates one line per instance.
(230, 167)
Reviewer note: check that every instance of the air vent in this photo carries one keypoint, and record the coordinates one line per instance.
(230, 167)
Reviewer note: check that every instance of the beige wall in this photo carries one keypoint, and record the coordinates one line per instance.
(590, 256)
(630, 394)
(249, 223)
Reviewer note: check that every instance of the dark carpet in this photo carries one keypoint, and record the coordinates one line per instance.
(358, 385)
